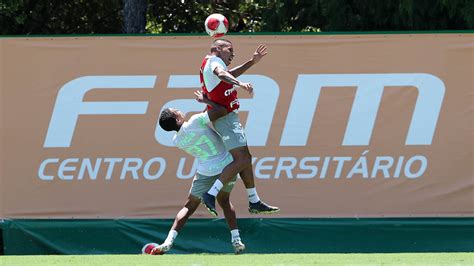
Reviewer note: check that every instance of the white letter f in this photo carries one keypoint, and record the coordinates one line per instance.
(69, 104)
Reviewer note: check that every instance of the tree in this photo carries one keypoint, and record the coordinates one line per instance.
(134, 16)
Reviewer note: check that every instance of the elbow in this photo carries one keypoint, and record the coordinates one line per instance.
(224, 76)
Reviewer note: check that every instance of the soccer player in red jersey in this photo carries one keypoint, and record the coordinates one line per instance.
(220, 85)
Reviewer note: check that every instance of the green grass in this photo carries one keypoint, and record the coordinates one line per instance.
(248, 259)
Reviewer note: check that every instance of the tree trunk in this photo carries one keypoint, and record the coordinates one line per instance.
(134, 16)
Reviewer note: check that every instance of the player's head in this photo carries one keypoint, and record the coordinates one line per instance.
(223, 49)
(171, 119)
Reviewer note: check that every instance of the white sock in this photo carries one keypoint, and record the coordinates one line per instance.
(235, 236)
(171, 237)
(253, 196)
(216, 187)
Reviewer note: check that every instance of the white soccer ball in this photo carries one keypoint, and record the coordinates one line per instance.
(216, 25)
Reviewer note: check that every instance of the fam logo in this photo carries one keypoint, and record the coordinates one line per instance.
(70, 106)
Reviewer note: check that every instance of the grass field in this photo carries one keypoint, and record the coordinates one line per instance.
(248, 259)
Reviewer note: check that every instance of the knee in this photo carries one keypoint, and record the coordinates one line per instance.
(192, 203)
(244, 158)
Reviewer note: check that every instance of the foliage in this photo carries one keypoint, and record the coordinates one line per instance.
(186, 16)
(60, 17)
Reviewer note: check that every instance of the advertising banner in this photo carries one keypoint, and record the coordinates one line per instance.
(338, 125)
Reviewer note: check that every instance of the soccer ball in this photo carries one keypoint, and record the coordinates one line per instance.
(147, 248)
(216, 25)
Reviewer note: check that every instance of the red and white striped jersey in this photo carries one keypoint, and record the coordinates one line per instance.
(217, 90)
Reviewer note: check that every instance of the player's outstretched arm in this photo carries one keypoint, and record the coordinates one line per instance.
(229, 78)
(217, 110)
(260, 52)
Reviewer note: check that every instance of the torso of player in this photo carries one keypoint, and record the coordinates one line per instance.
(217, 90)
(200, 141)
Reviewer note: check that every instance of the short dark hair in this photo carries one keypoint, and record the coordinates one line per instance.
(219, 43)
(168, 120)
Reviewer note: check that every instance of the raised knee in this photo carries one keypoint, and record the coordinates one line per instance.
(242, 156)
(244, 159)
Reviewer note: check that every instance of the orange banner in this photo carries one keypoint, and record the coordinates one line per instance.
(339, 125)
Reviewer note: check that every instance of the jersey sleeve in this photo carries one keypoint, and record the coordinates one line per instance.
(216, 62)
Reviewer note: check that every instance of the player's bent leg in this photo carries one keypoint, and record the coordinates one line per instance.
(182, 217)
(241, 159)
(201, 187)
(242, 156)
(230, 216)
(192, 203)
(256, 206)
(247, 176)
(228, 209)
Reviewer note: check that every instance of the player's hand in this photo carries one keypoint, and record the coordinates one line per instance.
(200, 97)
(247, 86)
(259, 53)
